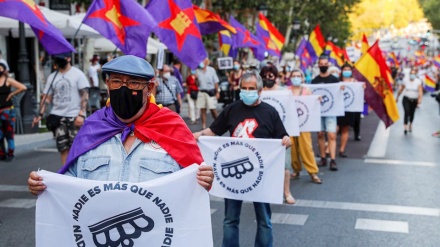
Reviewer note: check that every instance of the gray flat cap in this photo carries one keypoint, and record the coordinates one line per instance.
(129, 65)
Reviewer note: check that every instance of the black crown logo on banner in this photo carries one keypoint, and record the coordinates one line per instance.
(237, 168)
(346, 95)
(324, 100)
(300, 112)
(130, 225)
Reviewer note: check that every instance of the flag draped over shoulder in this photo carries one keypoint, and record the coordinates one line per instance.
(210, 22)
(372, 69)
(315, 44)
(225, 42)
(178, 29)
(336, 56)
(365, 45)
(50, 37)
(244, 38)
(273, 39)
(303, 55)
(429, 84)
(125, 23)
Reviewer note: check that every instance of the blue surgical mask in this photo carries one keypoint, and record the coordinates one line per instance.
(296, 81)
(202, 65)
(236, 67)
(249, 97)
(336, 75)
(412, 76)
(288, 69)
(347, 73)
(193, 72)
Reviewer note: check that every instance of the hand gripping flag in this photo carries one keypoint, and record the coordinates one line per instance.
(372, 69)
(225, 42)
(316, 43)
(429, 84)
(125, 23)
(27, 11)
(273, 39)
(210, 23)
(178, 29)
(244, 38)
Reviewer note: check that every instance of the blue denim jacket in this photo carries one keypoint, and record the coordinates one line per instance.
(110, 162)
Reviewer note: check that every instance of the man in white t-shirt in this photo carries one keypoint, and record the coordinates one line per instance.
(208, 90)
(68, 93)
(94, 92)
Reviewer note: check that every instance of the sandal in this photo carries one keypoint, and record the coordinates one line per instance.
(315, 179)
(294, 175)
(289, 199)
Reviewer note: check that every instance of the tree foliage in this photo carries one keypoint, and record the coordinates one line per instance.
(371, 15)
(431, 8)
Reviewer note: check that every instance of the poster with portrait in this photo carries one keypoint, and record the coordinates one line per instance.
(225, 63)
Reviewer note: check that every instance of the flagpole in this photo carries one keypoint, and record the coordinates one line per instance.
(73, 41)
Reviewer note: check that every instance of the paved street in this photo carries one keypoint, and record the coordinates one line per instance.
(384, 194)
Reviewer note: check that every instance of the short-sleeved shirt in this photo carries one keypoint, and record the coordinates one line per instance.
(324, 80)
(207, 79)
(260, 121)
(411, 88)
(164, 95)
(93, 73)
(66, 98)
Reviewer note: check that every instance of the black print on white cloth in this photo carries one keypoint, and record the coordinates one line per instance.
(348, 97)
(300, 112)
(237, 168)
(130, 225)
(324, 100)
(327, 99)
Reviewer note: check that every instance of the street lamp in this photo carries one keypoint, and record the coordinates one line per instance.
(263, 8)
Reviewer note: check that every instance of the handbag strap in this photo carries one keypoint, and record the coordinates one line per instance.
(172, 95)
(50, 88)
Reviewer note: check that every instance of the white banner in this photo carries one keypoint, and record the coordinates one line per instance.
(332, 99)
(250, 169)
(169, 211)
(309, 113)
(354, 96)
(284, 103)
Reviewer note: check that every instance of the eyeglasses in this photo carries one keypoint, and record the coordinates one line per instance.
(131, 84)
(269, 76)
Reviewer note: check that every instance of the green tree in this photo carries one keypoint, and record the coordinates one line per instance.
(431, 8)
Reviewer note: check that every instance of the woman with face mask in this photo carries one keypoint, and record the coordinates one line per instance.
(412, 98)
(302, 150)
(7, 112)
(233, 79)
(344, 122)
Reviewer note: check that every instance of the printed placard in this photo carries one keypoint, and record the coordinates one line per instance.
(309, 113)
(332, 100)
(354, 96)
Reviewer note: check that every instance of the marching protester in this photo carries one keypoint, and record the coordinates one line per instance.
(412, 98)
(7, 112)
(193, 91)
(234, 78)
(269, 125)
(328, 124)
(67, 89)
(125, 127)
(208, 90)
(168, 90)
(302, 149)
(94, 90)
(268, 73)
(346, 121)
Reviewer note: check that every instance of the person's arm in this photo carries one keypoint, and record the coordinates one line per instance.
(420, 95)
(35, 184)
(402, 86)
(20, 88)
(205, 176)
(43, 104)
(205, 132)
(79, 120)
(217, 92)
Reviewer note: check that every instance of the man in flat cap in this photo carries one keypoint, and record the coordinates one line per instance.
(68, 91)
(130, 129)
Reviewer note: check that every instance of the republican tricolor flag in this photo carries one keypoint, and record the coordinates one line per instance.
(273, 39)
(437, 61)
(316, 43)
(210, 22)
(372, 69)
(429, 84)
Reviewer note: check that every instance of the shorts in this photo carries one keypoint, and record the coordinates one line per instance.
(204, 101)
(65, 133)
(328, 124)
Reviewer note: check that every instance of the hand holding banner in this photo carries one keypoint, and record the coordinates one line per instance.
(79, 212)
(284, 103)
(332, 100)
(250, 169)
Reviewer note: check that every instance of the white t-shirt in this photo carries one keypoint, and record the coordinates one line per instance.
(207, 79)
(412, 88)
(93, 73)
(66, 98)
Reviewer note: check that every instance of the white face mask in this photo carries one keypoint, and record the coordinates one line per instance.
(167, 75)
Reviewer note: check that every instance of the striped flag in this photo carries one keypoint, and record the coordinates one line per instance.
(429, 84)
(316, 43)
(210, 22)
(273, 39)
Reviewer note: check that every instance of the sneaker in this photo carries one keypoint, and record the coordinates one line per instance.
(9, 158)
(333, 166)
(323, 162)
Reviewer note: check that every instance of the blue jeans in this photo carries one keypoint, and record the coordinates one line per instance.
(263, 213)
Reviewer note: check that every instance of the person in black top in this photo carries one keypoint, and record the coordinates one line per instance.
(7, 112)
(248, 118)
(328, 124)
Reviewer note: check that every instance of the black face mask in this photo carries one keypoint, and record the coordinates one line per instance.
(126, 102)
(268, 83)
(323, 69)
(61, 62)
